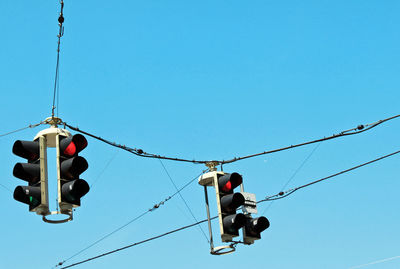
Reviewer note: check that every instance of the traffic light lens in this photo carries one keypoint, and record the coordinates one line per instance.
(229, 181)
(70, 149)
(227, 187)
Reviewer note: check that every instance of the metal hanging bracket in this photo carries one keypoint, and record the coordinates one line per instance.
(212, 165)
(209, 179)
(53, 121)
(222, 250)
(68, 214)
(49, 135)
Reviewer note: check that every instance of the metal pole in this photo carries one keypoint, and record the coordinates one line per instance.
(209, 220)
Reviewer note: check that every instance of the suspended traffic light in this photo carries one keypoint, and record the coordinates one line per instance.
(228, 202)
(34, 172)
(69, 167)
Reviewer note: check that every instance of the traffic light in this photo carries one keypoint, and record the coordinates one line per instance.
(34, 172)
(253, 228)
(69, 167)
(228, 202)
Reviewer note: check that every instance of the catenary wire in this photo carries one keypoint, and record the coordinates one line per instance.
(156, 206)
(284, 194)
(294, 174)
(376, 262)
(21, 129)
(138, 243)
(359, 129)
(267, 199)
(60, 34)
(139, 152)
(5, 187)
(104, 169)
(184, 201)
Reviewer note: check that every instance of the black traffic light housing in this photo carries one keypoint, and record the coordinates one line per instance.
(253, 228)
(34, 172)
(228, 202)
(69, 167)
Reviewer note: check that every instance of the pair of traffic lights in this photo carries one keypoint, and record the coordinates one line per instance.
(228, 202)
(69, 166)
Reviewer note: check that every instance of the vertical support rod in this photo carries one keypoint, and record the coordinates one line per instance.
(209, 220)
(44, 208)
(58, 154)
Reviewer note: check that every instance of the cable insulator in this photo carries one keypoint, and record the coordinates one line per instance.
(61, 19)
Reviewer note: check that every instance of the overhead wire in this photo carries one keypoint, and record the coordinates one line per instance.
(138, 243)
(21, 129)
(183, 199)
(154, 207)
(268, 198)
(139, 152)
(294, 174)
(284, 194)
(376, 262)
(57, 75)
(104, 169)
(5, 187)
(357, 130)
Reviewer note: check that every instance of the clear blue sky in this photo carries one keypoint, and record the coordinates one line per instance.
(208, 80)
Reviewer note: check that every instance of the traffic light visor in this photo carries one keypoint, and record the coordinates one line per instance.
(27, 171)
(228, 182)
(234, 222)
(255, 226)
(70, 146)
(28, 195)
(26, 149)
(231, 202)
(72, 191)
(72, 168)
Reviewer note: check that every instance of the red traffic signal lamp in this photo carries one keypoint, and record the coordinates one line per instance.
(34, 172)
(228, 202)
(69, 167)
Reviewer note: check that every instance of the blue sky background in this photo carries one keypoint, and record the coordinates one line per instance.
(208, 80)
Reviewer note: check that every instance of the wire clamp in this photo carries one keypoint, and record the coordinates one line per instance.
(212, 165)
(53, 121)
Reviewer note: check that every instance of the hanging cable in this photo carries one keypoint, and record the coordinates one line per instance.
(139, 152)
(183, 199)
(138, 243)
(21, 129)
(284, 194)
(60, 34)
(359, 129)
(156, 206)
(294, 174)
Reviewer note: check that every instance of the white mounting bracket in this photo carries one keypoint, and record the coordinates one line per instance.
(50, 137)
